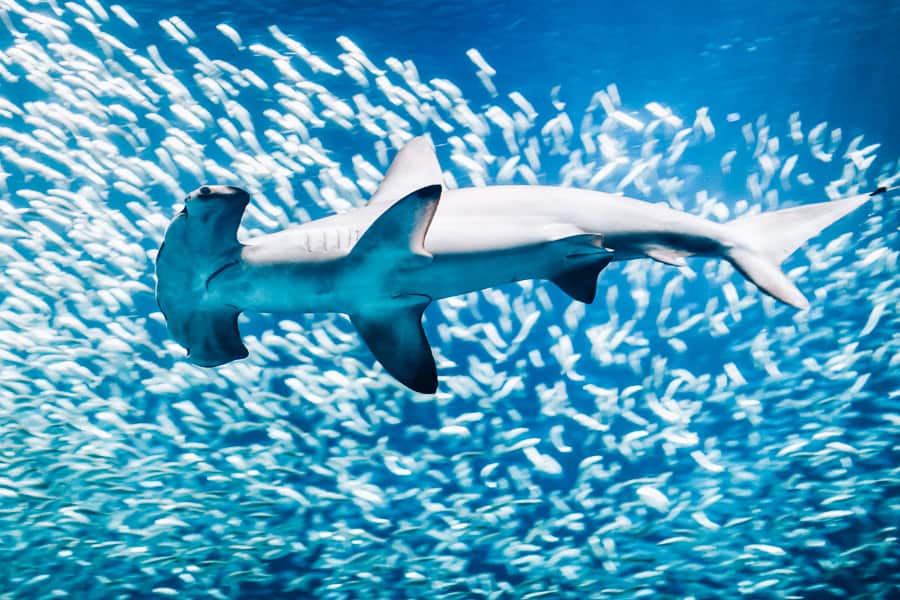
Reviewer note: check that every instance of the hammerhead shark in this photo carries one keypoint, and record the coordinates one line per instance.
(417, 241)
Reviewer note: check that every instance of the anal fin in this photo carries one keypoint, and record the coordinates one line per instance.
(668, 256)
(394, 334)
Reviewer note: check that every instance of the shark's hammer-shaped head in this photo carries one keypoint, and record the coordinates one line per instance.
(200, 243)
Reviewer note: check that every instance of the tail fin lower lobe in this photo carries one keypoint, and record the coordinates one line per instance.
(760, 243)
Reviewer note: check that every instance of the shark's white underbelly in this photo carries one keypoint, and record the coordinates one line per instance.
(505, 217)
(478, 238)
(483, 237)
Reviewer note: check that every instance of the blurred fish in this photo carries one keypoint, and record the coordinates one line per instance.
(304, 471)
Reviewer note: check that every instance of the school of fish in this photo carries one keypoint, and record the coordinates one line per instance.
(683, 436)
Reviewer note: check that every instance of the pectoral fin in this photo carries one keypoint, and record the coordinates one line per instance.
(395, 336)
(399, 232)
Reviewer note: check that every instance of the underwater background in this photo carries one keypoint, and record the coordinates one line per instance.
(681, 437)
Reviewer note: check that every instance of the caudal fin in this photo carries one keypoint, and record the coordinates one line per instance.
(760, 243)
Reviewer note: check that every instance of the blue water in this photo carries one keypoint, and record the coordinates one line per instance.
(831, 61)
(752, 452)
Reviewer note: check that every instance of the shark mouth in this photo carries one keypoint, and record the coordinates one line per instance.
(219, 271)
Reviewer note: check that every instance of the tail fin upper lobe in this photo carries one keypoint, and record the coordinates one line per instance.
(760, 243)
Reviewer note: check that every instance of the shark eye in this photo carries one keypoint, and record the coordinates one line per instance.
(205, 191)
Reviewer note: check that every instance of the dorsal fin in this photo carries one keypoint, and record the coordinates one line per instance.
(399, 232)
(415, 167)
(580, 282)
(394, 334)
